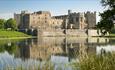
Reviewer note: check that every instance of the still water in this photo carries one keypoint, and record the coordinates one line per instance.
(60, 51)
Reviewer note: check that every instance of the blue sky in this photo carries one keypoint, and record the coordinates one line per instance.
(56, 7)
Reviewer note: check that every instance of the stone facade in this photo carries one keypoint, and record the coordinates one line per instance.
(72, 24)
(40, 19)
(90, 19)
(17, 18)
(43, 19)
(79, 20)
(69, 32)
(43, 48)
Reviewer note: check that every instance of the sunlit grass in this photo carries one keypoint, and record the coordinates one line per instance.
(112, 35)
(92, 62)
(96, 62)
(45, 66)
(11, 34)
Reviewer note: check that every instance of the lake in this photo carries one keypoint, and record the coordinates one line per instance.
(60, 51)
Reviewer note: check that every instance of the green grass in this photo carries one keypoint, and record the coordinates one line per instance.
(113, 35)
(110, 36)
(96, 62)
(45, 66)
(12, 34)
(104, 61)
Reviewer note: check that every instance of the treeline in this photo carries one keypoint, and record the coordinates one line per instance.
(107, 21)
(9, 24)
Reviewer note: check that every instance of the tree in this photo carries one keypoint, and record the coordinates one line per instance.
(10, 23)
(11, 49)
(106, 23)
(2, 21)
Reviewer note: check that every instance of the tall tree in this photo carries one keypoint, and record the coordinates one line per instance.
(2, 21)
(11, 23)
(107, 17)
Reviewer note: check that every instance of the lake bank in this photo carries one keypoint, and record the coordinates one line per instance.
(6, 34)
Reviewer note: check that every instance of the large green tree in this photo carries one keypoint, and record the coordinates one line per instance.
(10, 23)
(2, 21)
(107, 21)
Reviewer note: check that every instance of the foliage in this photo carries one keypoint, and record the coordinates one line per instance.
(11, 23)
(11, 48)
(106, 23)
(9, 45)
(48, 66)
(2, 21)
(97, 62)
(45, 66)
(110, 3)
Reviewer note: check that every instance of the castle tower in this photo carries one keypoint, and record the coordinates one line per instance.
(82, 23)
(69, 12)
(90, 19)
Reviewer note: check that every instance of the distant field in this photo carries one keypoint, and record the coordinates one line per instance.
(11, 34)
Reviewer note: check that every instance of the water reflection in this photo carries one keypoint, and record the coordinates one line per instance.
(59, 50)
(43, 48)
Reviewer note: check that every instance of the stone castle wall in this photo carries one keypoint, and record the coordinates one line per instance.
(69, 32)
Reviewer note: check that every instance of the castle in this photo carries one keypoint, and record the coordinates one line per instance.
(43, 19)
(78, 20)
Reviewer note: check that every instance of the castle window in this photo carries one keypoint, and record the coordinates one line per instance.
(38, 17)
(77, 19)
(45, 21)
(53, 49)
(33, 21)
(45, 18)
(38, 22)
(45, 14)
(81, 19)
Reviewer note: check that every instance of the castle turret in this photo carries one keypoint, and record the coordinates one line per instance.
(69, 12)
(90, 19)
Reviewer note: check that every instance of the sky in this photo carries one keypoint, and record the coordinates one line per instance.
(56, 7)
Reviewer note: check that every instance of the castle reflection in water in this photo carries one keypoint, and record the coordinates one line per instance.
(44, 48)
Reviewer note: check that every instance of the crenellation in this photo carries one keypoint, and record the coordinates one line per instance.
(43, 19)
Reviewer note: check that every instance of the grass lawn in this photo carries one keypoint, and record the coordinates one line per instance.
(110, 36)
(113, 35)
(12, 34)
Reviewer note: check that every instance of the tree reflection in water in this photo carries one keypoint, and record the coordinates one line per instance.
(54, 49)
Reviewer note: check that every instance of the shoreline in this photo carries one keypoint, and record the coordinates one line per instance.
(16, 37)
(1, 38)
(5, 34)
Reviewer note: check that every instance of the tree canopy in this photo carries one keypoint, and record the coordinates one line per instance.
(10, 23)
(107, 21)
(2, 21)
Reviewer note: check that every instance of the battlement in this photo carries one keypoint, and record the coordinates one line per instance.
(76, 20)
(42, 12)
(24, 12)
(91, 13)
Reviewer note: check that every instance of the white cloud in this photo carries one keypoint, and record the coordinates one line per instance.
(6, 15)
